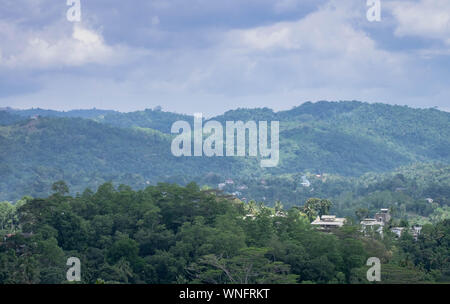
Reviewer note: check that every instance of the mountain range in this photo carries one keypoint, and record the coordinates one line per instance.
(89, 147)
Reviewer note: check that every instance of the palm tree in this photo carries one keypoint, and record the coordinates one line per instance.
(278, 206)
(324, 206)
(310, 211)
(252, 207)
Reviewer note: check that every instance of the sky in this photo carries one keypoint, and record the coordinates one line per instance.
(210, 56)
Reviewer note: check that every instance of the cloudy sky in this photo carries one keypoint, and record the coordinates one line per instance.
(213, 55)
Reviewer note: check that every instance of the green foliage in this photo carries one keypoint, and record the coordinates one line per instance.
(173, 234)
(7, 118)
(132, 230)
(407, 191)
(60, 188)
(316, 207)
(87, 148)
(8, 218)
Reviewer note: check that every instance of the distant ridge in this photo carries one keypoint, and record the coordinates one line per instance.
(88, 147)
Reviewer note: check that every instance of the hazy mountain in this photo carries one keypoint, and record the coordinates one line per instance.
(7, 118)
(91, 113)
(346, 138)
(85, 153)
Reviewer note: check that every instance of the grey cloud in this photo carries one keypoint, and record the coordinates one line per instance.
(215, 55)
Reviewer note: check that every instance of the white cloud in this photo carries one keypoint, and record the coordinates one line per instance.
(326, 30)
(322, 49)
(82, 46)
(424, 18)
(329, 53)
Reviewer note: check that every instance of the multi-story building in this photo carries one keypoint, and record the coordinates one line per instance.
(381, 219)
(383, 216)
(328, 222)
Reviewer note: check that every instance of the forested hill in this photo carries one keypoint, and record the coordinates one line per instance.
(89, 147)
(85, 153)
(7, 118)
(352, 138)
(168, 234)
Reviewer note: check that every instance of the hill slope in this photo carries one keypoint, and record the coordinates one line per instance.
(344, 138)
(352, 138)
(35, 153)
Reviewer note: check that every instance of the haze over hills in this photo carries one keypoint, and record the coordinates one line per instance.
(88, 147)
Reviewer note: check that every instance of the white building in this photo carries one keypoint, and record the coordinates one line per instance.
(377, 223)
(328, 222)
(398, 230)
(383, 216)
(372, 224)
(414, 231)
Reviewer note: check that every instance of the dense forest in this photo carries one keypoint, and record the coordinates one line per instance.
(86, 148)
(419, 193)
(134, 213)
(173, 234)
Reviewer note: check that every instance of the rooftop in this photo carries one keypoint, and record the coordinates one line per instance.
(371, 222)
(329, 221)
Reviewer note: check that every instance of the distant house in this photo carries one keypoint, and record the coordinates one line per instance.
(377, 223)
(221, 186)
(398, 230)
(383, 216)
(327, 222)
(229, 182)
(372, 224)
(414, 231)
